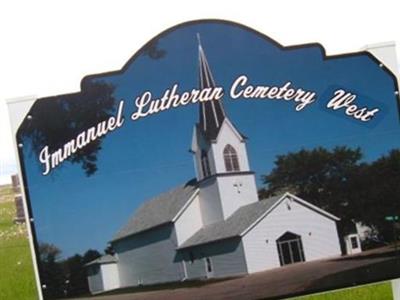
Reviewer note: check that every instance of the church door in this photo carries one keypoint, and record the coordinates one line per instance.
(209, 267)
(290, 248)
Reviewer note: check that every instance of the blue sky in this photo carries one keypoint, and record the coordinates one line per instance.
(149, 156)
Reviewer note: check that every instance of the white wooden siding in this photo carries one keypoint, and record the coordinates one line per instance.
(110, 276)
(210, 203)
(95, 279)
(318, 233)
(227, 259)
(236, 191)
(149, 257)
(189, 222)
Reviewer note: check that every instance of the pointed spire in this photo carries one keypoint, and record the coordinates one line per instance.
(198, 39)
(212, 113)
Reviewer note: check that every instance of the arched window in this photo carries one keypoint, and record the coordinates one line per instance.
(231, 159)
(205, 165)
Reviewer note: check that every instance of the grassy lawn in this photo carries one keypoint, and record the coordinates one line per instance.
(16, 272)
(380, 291)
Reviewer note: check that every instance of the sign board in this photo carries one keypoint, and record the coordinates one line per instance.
(288, 147)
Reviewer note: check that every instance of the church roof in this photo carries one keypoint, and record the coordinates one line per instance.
(105, 259)
(243, 219)
(211, 113)
(158, 210)
(236, 224)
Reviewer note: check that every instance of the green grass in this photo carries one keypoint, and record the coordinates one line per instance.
(6, 193)
(380, 291)
(17, 280)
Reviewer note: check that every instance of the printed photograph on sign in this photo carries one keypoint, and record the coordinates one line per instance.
(217, 159)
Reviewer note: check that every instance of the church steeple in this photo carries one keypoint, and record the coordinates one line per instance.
(222, 168)
(212, 113)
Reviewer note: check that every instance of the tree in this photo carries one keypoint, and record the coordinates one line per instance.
(339, 182)
(75, 272)
(51, 273)
(109, 250)
(381, 193)
(323, 177)
(90, 255)
(56, 120)
(48, 252)
(63, 278)
(153, 51)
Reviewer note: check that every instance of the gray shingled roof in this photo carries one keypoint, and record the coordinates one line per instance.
(234, 225)
(158, 210)
(105, 259)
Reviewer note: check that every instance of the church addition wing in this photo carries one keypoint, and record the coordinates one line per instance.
(158, 210)
(243, 220)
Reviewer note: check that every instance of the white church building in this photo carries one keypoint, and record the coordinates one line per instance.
(214, 225)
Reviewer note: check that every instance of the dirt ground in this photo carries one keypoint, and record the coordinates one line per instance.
(293, 280)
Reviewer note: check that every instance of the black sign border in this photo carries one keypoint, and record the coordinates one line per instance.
(25, 184)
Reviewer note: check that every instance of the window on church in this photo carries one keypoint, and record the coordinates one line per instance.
(354, 242)
(208, 265)
(231, 159)
(205, 164)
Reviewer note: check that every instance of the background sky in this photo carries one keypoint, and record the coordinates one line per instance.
(48, 46)
(149, 156)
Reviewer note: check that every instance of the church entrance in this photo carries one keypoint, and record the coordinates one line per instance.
(290, 248)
